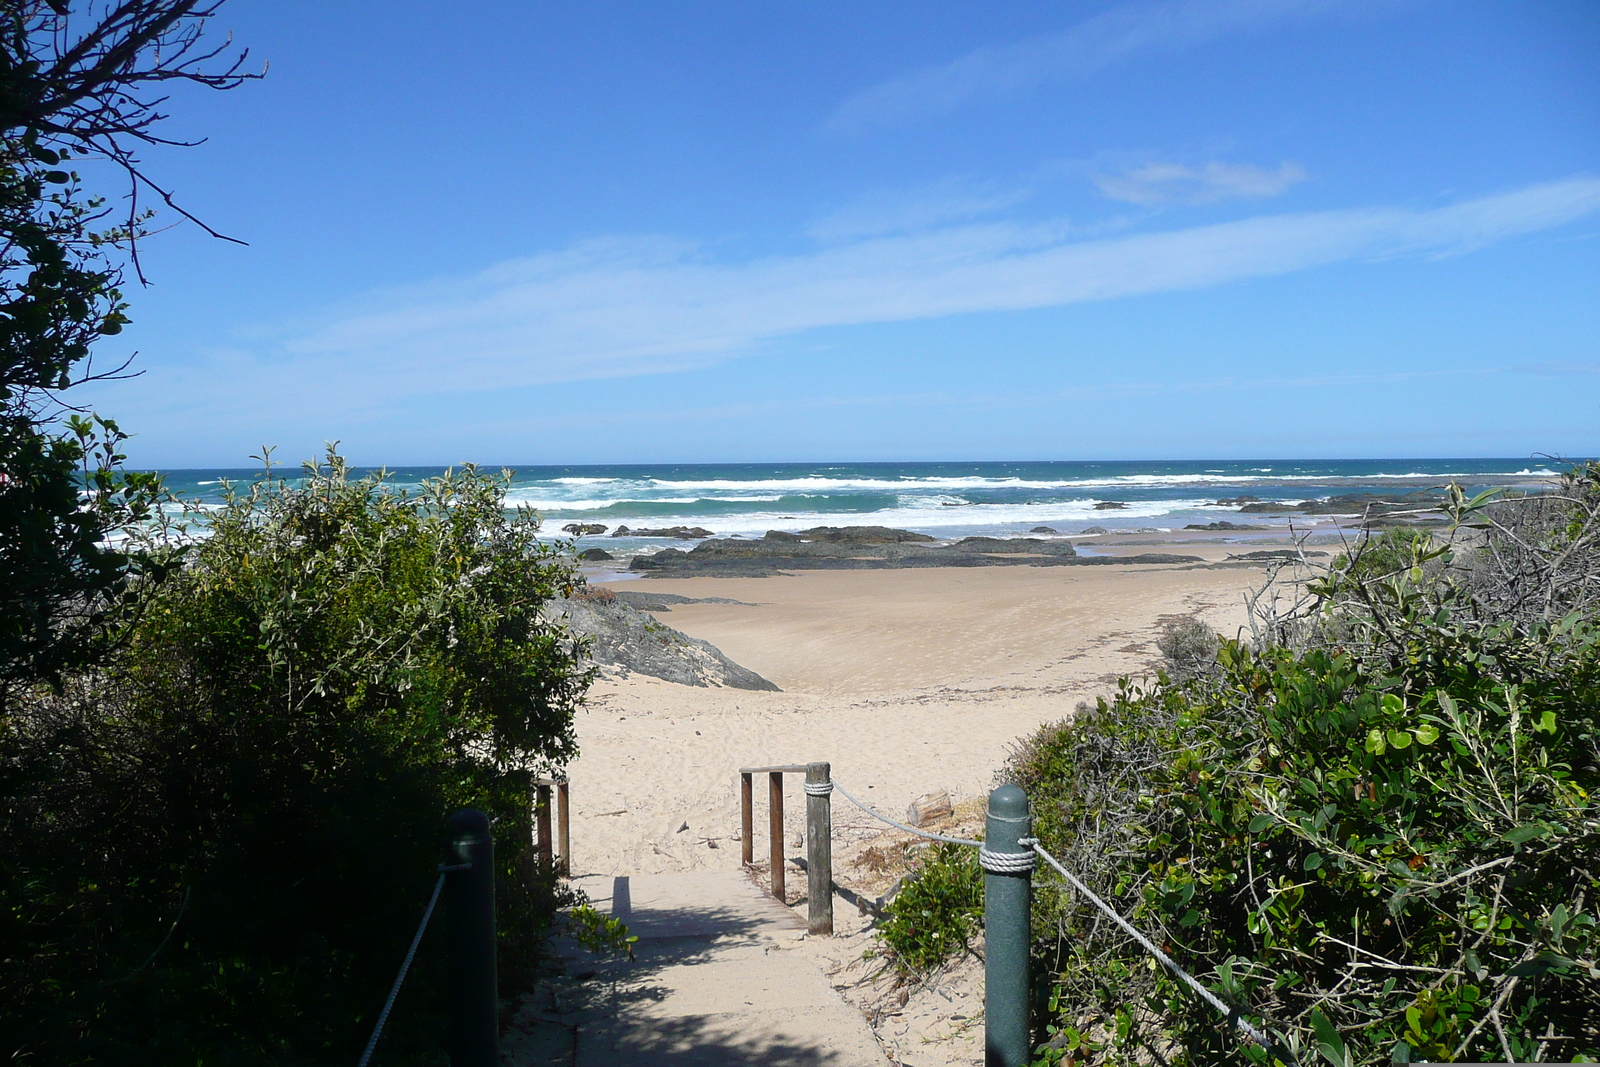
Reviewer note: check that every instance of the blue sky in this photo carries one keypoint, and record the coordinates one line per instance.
(652, 233)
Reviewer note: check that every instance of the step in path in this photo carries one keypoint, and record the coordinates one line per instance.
(716, 982)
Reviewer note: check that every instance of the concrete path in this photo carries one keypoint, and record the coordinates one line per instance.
(715, 983)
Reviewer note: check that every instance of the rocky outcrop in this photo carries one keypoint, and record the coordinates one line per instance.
(663, 601)
(732, 557)
(621, 637)
(1014, 545)
(1223, 525)
(594, 555)
(583, 529)
(1110, 505)
(681, 533)
(1370, 504)
(1043, 530)
(852, 535)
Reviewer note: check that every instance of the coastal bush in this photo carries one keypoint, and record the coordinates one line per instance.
(1387, 553)
(600, 934)
(1379, 840)
(1396, 864)
(220, 843)
(1188, 647)
(1383, 843)
(936, 914)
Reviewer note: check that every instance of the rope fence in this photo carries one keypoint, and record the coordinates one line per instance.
(1007, 863)
(411, 954)
(467, 887)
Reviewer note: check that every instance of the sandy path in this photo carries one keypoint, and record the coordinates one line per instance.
(908, 682)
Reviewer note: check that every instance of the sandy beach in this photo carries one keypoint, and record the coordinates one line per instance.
(908, 681)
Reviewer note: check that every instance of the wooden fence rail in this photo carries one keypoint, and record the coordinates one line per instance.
(541, 818)
(819, 836)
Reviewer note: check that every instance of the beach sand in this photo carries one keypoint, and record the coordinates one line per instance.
(907, 681)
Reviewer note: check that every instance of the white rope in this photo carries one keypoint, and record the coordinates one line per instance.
(1211, 998)
(903, 826)
(1021, 862)
(1006, 862)
(388, 1005)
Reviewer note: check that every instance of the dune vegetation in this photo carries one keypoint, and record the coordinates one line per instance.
(1374, 829)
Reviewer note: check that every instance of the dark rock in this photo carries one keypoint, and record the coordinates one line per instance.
(1234, 502)
(727, 558)
(1096, 530)
(1224, 525)
(779, 535)
(681, 533)
(1110, 505)
(623, 636)
(1277, 553)
(1370, 504)
(664, 601)
(1043, 530)
(862, 535)
(591, 555)
(583, 529)
(1011, 545)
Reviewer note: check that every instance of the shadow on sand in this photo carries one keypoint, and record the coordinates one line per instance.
(709, 987)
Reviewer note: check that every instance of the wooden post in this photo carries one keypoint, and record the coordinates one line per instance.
(564, 825)
(541, 814)
(775, 831)
(746, 819)
(819, 850)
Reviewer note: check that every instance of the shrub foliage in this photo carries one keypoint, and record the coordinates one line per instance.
(1375, 831)
(218, 845)
(936, 915)
(1383, 842)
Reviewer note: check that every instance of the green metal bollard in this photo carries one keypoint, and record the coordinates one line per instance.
(469, 909)
(1007, 903)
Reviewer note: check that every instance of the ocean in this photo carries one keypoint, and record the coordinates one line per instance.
(946, 500)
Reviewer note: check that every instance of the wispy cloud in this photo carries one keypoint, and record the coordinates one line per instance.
(948, 200)
(1090, 46)
(1166, 183)
(627, 307)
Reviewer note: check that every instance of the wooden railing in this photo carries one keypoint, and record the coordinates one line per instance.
(541, 816)
(819, 835)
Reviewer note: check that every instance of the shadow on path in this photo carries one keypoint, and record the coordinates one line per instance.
(716, 982)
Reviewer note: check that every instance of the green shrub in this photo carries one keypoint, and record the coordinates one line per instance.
(219, 846)
(600, 934)
(1397, 858)
(1383, 554)
(936, 914)
(1379, 840)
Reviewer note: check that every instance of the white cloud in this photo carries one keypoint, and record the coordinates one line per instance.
(644, 306)
(905, 210)
(1084, 49)
(1164, 183)
(631, 306)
